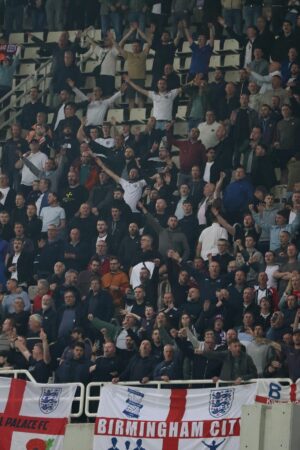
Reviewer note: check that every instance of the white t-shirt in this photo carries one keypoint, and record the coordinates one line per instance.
(133, 192)
(208, 134)
(206, 175)
(38, 159)
(106, 142)
(209, 239)
(60, 115)
(52, 215)
(4, 192)
(163, 104)
(97, 110)
(108, 58)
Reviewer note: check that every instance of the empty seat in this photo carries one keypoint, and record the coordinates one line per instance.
(149, 64)
(177, 63)
(137, 114)
(232, 75)
(186, 47)
(89, 82)
(231, 44)
(215, 61)
(16, 38)
(181, 112)
(30, 53)
(232, 61)
(53, 36)
(187, 63)
(217, 44)
(26, 69)
(117, 114)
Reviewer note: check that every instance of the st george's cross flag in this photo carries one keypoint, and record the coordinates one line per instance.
(133, 418)
(33, 416)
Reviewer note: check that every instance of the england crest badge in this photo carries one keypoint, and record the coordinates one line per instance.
(220, 402)
(49, 399)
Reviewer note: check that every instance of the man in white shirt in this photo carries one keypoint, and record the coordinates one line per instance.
(97, 106)
(208, 130)
(35, 157)
(107, 57)
(53, 214)
(162, 101)
(208, 240)
(133, 188)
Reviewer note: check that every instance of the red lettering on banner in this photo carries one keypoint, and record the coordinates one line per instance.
(11, 421)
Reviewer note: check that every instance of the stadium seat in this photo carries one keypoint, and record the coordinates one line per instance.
(16, 38)
(89, 82)
(187, 63)
(231, 45)
(118, 114)
(232, 61)
(26, 69)
(30, 53)
(217, 44)
(137, 115)
(232, 75)
(177, 64)
(53, 36)
(215, 61)
(186, 47)
(181, 112)
(149, 64)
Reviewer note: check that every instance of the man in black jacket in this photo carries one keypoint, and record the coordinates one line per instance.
(75, 369)
(140, 367)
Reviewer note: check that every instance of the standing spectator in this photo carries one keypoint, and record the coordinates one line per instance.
(54, 12)
(201, 52)
(164, 48)
(136, 61)
(37, 158)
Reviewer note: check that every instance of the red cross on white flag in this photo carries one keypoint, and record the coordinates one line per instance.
(133, 418)
(33, 416)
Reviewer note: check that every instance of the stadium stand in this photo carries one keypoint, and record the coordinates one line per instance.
(150, 190)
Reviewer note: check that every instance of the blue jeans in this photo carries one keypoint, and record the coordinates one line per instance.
(250, 15)
(233, 19)
(137, 17)
(116, 21)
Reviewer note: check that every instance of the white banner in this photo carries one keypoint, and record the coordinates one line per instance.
(33, 416)
(271, 391)
(134, 418)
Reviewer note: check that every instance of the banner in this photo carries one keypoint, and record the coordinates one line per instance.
(7, 50)
(133, 418)
(271, 391)
(33, 416)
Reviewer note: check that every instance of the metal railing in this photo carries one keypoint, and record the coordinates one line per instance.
(39, 78)
(78, 401)
(91, 399)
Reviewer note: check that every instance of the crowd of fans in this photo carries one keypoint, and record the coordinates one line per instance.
(116, 261)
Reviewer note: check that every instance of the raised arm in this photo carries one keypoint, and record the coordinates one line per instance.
(135, 86)
(109, 172)
(46, 352)
(211, 34)
(187, 33)
(223, 222)
(146, 39)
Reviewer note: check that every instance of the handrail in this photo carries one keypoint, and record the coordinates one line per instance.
(158, 384)
(24, 82)
(79, 398)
